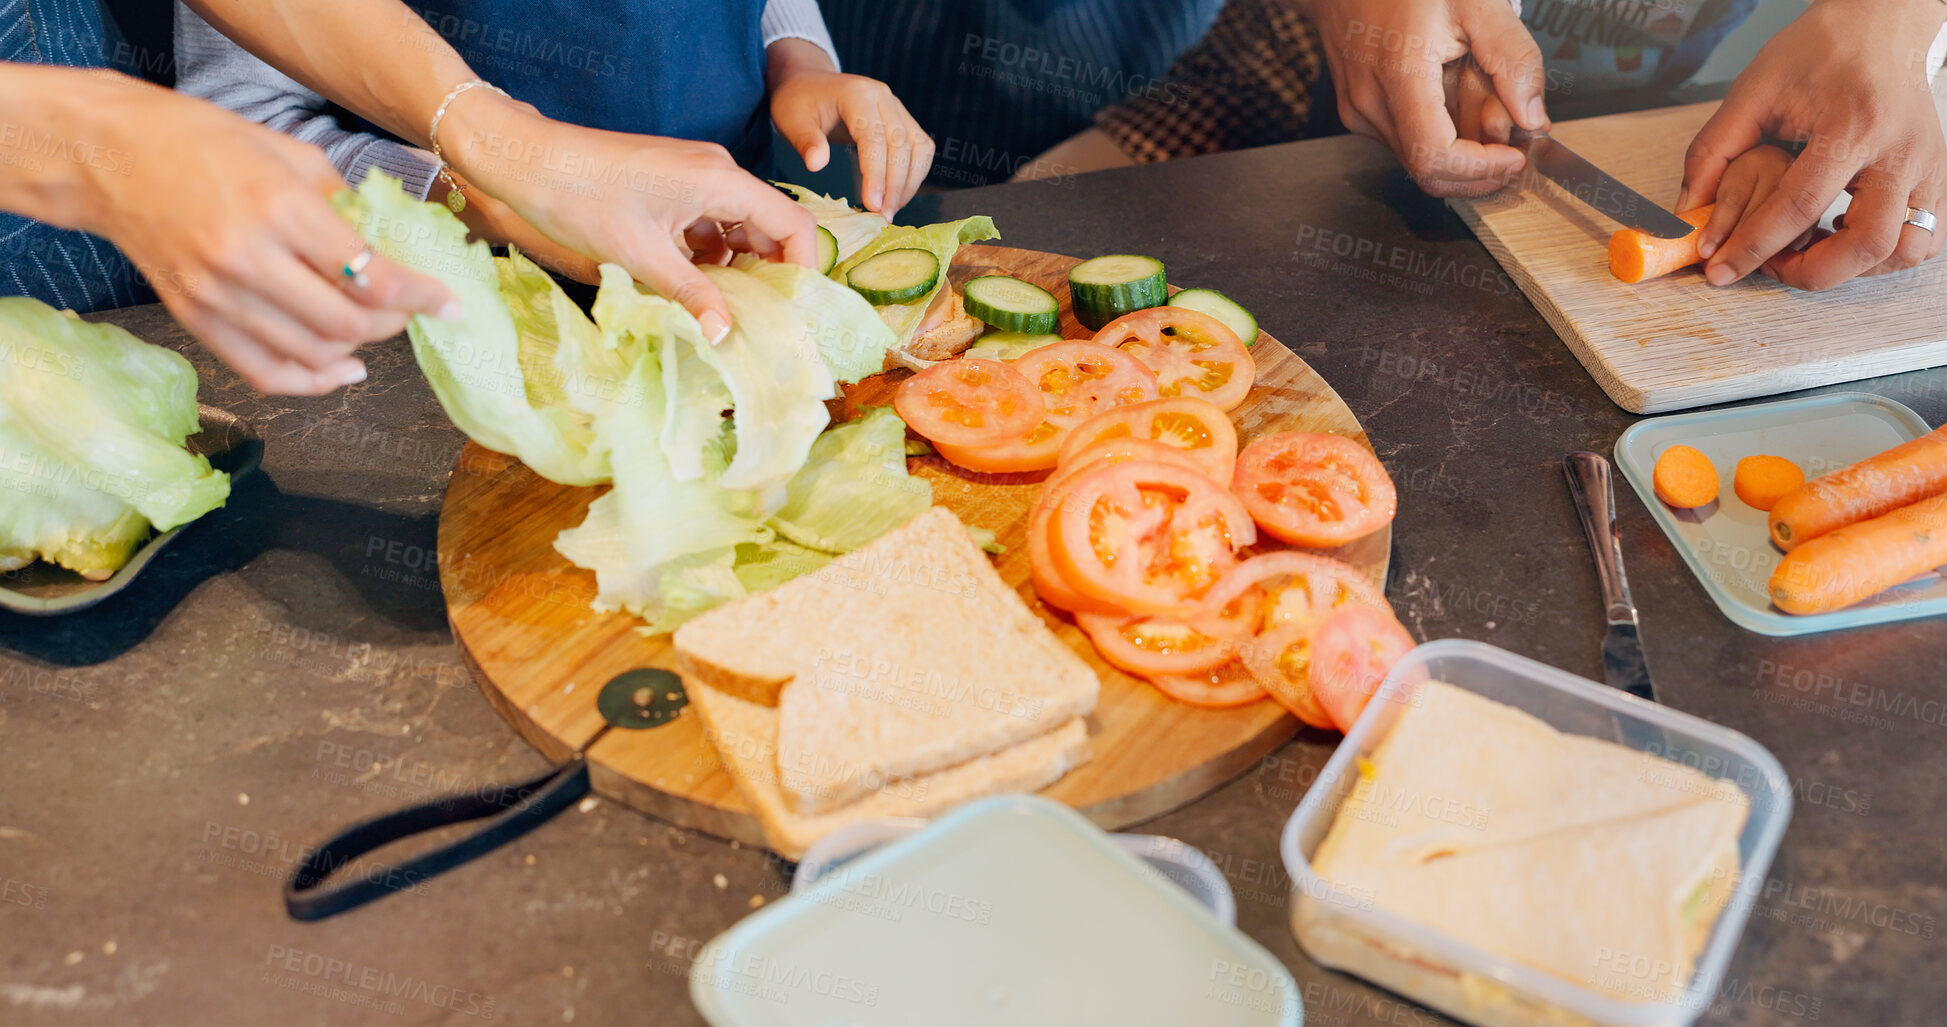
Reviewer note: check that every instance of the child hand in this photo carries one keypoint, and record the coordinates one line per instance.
(809, 98)
(1747, 183)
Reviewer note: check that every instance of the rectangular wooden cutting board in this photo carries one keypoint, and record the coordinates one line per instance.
(1675, 342)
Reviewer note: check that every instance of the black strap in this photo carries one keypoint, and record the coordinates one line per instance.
(513, 810)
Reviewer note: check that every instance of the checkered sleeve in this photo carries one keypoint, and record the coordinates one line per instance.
(1248, 82)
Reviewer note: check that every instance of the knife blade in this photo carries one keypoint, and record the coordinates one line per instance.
(1596, 187)
(1591, 484)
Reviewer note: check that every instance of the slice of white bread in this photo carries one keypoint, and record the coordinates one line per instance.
(745, 737)
(904, 657)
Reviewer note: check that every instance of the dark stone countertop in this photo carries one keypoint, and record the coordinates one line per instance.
(285, 668)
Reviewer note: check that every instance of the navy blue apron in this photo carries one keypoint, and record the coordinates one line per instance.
(691, 69)
(64, 268)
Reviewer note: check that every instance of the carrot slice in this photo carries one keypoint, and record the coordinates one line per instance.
(1761, 481)
(1905, 474)
(1842, 567)
(1685, 478)
(1636, 257)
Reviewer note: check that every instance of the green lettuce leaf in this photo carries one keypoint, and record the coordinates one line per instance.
(778, 384)
(844, 329)
(106, 413)
(942, 240)
(854, 487)
(475, 367)
(850, 228)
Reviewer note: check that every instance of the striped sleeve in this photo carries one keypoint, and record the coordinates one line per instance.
(797, 19)
(211, 67)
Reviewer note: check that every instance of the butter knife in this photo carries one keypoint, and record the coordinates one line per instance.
(1590, 483)
(1596, 187)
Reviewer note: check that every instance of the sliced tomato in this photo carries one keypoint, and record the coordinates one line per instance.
(1122, 451)
(1192, 353)
(1077, 379)
(1149, 646)
(1192, 425)
(1280, 661)
(1014, 456)
(1317, 490)
(1352, 652)
(1297, 592)
(1150, 538)
(1048, 582)
(1228, 684)
(969, 403)
(1295, 587)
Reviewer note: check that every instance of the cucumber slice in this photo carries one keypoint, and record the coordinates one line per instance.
(1106, 288)
(895, 276)
(1221, 307)
(827, 250)
(1011, 305)
(1008, 345)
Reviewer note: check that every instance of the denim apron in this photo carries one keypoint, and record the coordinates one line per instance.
(690, 69)
(64, 268)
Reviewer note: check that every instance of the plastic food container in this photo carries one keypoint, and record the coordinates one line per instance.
(1011, 910)
(1342, 931)
(1181, 864)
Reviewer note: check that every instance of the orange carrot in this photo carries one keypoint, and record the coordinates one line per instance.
(1685, 478)
(1634, 256)
(1905, 474)
(1840, 568)
(1761, 481)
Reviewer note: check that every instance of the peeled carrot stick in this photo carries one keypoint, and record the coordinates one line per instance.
(1907, 473)
(1838, 569)
(1634, 256)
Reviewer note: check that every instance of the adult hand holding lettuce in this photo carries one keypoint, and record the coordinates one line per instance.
(631, 200)
(229, 221)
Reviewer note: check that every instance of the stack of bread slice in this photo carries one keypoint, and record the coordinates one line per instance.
(898, 680)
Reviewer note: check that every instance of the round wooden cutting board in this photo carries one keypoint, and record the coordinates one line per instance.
(521, 615)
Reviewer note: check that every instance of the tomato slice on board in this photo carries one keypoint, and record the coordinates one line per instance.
(1077, 379)
(1048, 583)
(1122, 451)
(1046, 577)
(1148, 646)
(1317, 490)
(1192, 425)
(1295, 587)
(1192, 353)
(1228, 684)
(969, 403)
(1352, 652)
(1150, 538)
(1279, 659)
(1297, 591)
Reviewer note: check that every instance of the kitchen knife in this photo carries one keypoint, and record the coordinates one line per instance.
(1590, 483)
(1469, 89)
(1596, 187)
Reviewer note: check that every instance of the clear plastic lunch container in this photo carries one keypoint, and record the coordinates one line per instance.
(1011, 910)
(1469, 982)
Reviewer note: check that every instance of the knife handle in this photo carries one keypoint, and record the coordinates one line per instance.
(1591, 485)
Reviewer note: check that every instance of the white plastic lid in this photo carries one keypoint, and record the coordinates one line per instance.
(1010, 910)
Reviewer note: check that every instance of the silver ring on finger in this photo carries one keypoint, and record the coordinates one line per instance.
(1920, 218)
(352, 272)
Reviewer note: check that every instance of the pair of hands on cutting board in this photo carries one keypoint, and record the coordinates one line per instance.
(1845, 78)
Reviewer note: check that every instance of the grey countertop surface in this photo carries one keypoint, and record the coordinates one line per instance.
(285, 668)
